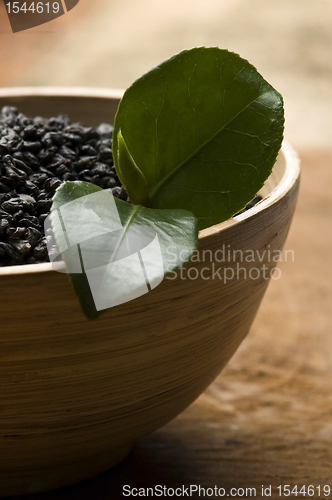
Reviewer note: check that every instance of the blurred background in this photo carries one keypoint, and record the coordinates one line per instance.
(103, 43)
(268, 417)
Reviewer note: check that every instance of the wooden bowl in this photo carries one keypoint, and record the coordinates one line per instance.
(76, 394)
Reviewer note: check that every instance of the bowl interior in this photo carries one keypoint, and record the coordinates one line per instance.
(100, 105)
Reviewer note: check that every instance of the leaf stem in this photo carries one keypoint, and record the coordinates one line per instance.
(125, 228)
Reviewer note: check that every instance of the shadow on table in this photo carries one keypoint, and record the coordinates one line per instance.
(168, 457)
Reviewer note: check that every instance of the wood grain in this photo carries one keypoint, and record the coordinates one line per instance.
(75, 394)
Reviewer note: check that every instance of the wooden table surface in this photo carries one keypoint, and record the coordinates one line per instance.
(267, 419)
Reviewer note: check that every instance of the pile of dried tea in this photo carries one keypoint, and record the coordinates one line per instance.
(36, 156)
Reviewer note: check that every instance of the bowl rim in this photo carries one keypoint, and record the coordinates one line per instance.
(289, 179)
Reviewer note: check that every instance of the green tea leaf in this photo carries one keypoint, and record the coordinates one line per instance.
(204, 130)
(116, 251)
